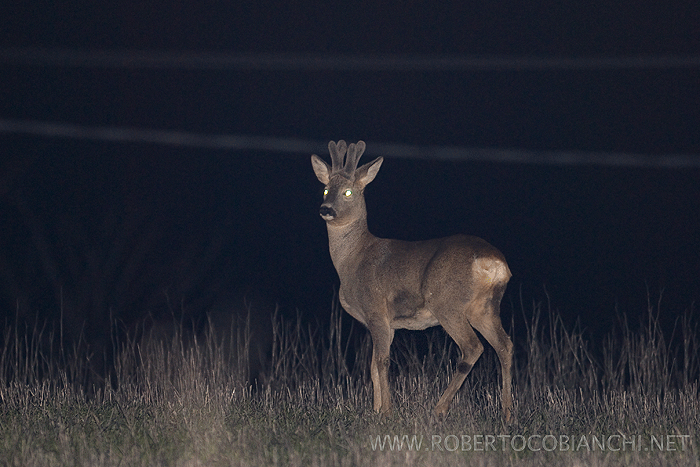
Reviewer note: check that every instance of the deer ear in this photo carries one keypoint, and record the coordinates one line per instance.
(321, 168)
(367, 172)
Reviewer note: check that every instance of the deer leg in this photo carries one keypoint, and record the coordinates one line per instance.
(470, 348)
(490, 326)
(379, 370)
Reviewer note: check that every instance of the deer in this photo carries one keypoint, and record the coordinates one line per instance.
(456, 282)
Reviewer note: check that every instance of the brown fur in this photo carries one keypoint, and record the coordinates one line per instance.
(456, 282)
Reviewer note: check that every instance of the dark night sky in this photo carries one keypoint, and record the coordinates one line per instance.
(113, 222)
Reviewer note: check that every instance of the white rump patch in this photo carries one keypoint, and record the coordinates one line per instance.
(491, 270)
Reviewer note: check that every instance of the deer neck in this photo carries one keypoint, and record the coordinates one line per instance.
(346, 242)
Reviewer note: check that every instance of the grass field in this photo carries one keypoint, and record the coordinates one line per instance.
(632, 400)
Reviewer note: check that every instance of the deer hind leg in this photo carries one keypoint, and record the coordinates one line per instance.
(490, 326)
(470, 347)
(379, 369)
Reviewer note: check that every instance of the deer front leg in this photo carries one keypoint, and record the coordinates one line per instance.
(379, 370)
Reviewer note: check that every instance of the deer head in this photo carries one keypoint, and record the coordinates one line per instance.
(343, 196)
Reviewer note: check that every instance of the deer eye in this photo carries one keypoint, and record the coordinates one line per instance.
(325, 191)
(348, 193)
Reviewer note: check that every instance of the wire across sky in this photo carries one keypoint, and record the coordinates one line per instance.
(313, 62)
(130, 59)
(307, 146)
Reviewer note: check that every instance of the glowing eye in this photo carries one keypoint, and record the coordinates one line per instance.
(325, 192)
(348, 193)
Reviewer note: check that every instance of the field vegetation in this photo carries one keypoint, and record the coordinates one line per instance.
(193, 400)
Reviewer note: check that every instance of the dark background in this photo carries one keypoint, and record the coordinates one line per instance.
(97, 229)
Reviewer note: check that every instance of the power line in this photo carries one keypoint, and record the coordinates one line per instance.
(306, 146)
(314, 62)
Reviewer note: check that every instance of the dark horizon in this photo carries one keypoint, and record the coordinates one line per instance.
(590, 240)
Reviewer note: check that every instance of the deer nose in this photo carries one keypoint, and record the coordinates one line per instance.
(327, 212)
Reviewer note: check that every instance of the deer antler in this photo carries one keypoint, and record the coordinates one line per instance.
(337, 155)
(343, 164)
(354, 153)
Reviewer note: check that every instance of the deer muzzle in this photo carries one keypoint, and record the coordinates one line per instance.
(327, 213)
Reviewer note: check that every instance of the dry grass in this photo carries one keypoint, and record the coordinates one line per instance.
(631, 401)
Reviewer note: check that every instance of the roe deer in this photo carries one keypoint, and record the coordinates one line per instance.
(456, 282)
